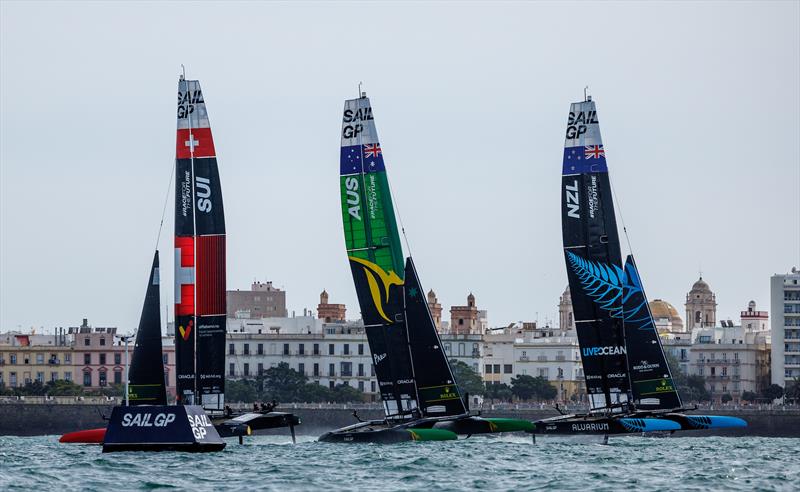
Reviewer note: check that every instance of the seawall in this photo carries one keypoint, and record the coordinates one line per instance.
(34, 419)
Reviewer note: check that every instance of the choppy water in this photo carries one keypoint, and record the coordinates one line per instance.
(495, 463)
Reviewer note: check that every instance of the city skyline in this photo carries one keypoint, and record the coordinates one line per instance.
(707, 170)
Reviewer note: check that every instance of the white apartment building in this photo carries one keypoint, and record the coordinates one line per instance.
(327, 353)
(524, 349)
(785, 305)
(733, 358)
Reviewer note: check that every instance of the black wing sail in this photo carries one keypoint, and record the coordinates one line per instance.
(650, 375)
(437, 389)
(592, 254)
(146, 384)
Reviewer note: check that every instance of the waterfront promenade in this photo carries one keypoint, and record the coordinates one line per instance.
(56, 415)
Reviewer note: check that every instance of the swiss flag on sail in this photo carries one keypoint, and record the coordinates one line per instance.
(200, 140)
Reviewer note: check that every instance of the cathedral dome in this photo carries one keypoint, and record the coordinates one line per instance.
(663, 309)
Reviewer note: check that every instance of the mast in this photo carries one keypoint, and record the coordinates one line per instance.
(200, 309)
(146, 385)
(593, 259)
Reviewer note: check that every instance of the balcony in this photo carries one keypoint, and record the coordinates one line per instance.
(524, 358)
(560, 358)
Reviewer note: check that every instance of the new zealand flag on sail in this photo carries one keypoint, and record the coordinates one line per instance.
(352, 157)
(580, 160)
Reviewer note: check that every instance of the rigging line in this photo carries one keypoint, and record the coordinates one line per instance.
(621, 217)
(166, 200)
(400, 218)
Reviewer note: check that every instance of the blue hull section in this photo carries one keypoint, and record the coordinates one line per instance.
(698, 422)
(649, 425)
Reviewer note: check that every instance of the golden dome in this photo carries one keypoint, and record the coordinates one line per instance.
(663, 309)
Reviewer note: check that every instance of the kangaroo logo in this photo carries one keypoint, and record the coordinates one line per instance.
(380, 293)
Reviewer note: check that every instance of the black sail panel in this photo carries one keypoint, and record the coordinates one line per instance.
(438, 392)
(651, 379)
(593, 258)
(146, 384)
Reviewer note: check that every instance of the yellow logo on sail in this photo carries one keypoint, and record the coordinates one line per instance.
(380, 293)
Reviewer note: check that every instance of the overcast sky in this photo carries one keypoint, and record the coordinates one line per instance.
(698, 105)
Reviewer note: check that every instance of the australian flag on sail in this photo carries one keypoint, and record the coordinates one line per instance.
(588, 159)
(353, 156)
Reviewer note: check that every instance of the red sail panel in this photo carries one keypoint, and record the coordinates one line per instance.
(210, 275)
(184, 276)
(197, 139)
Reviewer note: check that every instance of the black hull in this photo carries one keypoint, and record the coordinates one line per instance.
(181, 447)
(246, 423)
(161, 428)
(581, 425)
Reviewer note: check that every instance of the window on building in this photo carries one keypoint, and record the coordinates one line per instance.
(725, 371)
(103, 379)
(447, 348)
(53, 376)
(231, 369)
(67, 358)
(316, 349)
(697, 317)
(68, 376)
(246, 349)
(713, 371)
(331, 384)
(372, 386)
(40, 358)
(165, 359)
(301, 368)
(736, 356)
(117, 377)
(331, 370)
(87, 359)
(245, 369)
(361, 386)
(461, 349)
(361, 370)
(700, 371)
(496, 368)
(508, 368)
(346, 368)
(102, 342)
(346, 349)
(86, 342)
(372, 370)
(102, 359)
(40, 377)
(87, 378)
(301, 349)
(285, 349)
(360, 349)
(316, 369)
(231, 349)
(260, 349)
(260, 369)
(488, 368)
(544, 372)
(330, 349)
(118, 358)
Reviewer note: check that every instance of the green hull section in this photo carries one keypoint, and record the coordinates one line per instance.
(432, 435)
(511, 425)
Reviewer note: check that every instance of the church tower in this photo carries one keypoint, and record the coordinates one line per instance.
(701, 306)
(436, 309)
(566, 317)
(330, 313)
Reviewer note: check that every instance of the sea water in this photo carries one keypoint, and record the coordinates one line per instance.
(509, 462)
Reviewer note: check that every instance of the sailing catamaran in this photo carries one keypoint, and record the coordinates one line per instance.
(628, 379)
(421, 398)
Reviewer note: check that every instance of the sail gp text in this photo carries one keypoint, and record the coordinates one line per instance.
(199, 424)
(147, 420)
